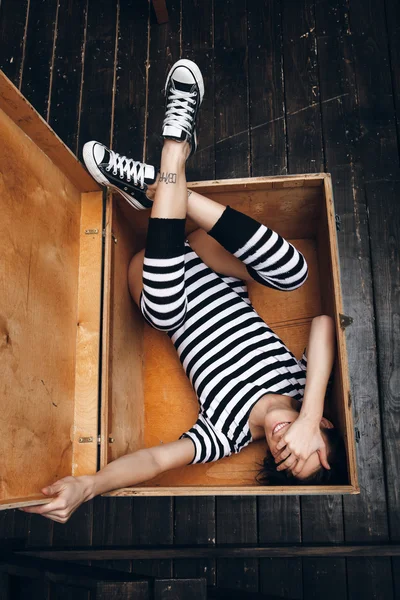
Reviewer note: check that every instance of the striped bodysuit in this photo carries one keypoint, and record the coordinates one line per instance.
(230, 355)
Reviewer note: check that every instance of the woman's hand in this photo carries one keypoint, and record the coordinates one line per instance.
(69, 493)
(301, 439)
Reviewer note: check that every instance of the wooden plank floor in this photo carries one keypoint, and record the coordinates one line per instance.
(292, 86)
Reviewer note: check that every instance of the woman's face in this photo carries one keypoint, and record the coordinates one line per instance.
(277, 422)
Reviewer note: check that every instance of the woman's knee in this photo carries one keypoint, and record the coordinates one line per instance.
(135, 276)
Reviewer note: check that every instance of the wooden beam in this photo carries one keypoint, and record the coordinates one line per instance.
(223, 551)
(75, 575)
(161, 11)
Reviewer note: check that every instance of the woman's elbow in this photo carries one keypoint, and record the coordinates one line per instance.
(326, 327)
(325, 321)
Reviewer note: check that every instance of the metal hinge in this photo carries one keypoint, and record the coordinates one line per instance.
(91, 231)
(338, 222)
(88, 440)
(345, 321)
(112, 235)
(110, 440)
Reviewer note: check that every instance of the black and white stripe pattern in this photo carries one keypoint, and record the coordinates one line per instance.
(228, 352)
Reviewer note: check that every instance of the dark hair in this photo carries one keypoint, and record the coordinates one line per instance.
(337, 474)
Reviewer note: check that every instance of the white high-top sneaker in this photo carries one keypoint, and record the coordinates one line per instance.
(184, 92)
(129, 177)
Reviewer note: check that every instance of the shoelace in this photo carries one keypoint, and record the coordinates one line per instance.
(178, 109)
(131, 168)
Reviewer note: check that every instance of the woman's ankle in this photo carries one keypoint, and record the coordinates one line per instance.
(179, 150)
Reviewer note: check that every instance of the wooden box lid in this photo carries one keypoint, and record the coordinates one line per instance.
(51, 253)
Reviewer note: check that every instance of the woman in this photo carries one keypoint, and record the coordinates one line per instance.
(249, 385)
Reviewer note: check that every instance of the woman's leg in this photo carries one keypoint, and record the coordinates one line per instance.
(171, 198)
(202, 210)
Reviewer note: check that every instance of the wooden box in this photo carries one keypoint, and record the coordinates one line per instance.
(84, 378)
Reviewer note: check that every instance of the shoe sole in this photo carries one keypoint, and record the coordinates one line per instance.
(100, 178)
(189, 64)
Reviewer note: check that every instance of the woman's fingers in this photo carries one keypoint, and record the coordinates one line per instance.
(281, 444)
(56, 505)
(288, 463)
(283, 455)
(297, 469)
(52, 511)
(40, 509)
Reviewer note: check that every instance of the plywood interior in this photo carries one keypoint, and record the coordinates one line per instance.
(123, 407)
(39, 249)
(164, 404)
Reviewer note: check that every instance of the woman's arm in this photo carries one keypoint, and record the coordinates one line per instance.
(320, 359)
(304, 437)
(70, 492)
(141, 466)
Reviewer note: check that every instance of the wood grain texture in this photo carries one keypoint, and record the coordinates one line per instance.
(392, 10)
(67, 71)
(98, 74)
(301, 87)
(132, 70)
(378, 143)
(182, 589)
(13, 20)
(225, 490)
(40, 248)
(369, 578)
(232, 136)
(15, 106)
(365, 519)
(39, 54)
(236, 523)
(153, 524)
(384, 221)
(86, 405)
(266, 89)
(124, 397)
(280, 550)
(279, 522)
(194, 523)
(160, 8)
(112, 525)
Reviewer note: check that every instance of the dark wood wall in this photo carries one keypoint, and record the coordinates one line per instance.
(292, 86)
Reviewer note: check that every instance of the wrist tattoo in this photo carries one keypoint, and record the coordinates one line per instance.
(189, 193)
(168, 177)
